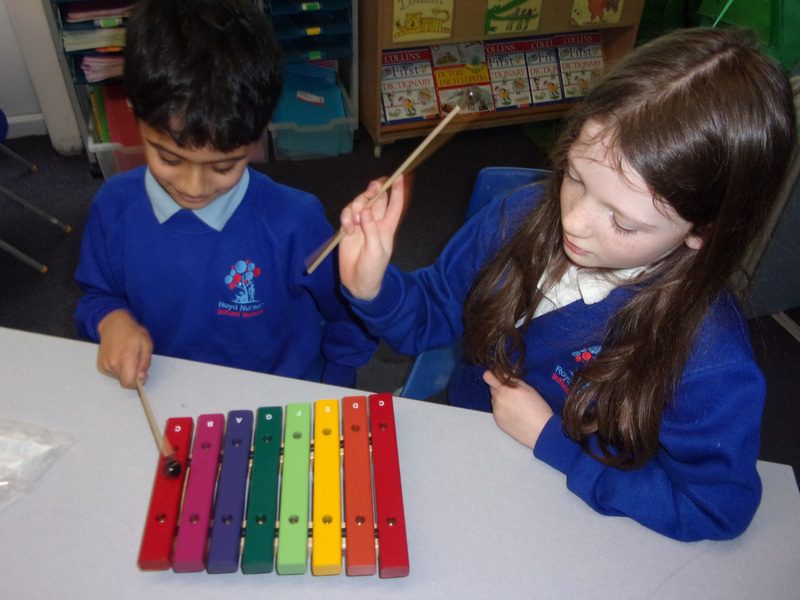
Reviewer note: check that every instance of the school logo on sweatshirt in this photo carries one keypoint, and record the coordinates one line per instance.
(241, 282)
(563, 375)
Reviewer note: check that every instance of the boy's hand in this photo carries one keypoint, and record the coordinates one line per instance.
(125, 348)
(366, 248)
(518, 409)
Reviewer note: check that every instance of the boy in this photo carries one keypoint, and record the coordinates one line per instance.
(195, 255)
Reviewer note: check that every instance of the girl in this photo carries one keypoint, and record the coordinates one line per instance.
(594, 308)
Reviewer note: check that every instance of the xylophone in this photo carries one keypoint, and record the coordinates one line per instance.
(247, 494)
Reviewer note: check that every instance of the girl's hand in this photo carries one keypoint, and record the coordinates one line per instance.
(366, 248)
(518, 409)
(125, 349)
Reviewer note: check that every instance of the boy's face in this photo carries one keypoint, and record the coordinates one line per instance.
(609, 218)
(193, 177)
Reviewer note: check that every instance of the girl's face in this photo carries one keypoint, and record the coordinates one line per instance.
(609, 219)
(193, 177)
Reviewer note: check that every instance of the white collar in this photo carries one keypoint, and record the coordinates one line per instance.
(215, 215)
(589, 285)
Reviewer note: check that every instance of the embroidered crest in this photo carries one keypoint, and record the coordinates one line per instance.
(585, 354)
(240, 279)
(563, 375)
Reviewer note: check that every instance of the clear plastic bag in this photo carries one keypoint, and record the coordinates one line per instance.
(26, 451)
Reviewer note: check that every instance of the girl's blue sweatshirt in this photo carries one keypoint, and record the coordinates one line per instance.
(702, 483)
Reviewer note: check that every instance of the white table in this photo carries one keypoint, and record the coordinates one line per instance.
(484, 519)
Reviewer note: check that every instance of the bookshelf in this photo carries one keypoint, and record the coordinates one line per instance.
(376, 24)
(319, 49)
(318, 31)
(306, 31)
(90, 37)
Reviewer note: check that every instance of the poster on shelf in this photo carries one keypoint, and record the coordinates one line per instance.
(462, 77)
(408, 92)
(413, 20)
(596, 12)
(505, 17)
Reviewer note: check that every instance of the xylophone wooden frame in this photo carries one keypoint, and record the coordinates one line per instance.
(201, 520)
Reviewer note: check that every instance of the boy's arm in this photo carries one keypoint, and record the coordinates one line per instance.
(103, 314)
(346, 344)
(96, 277)
(125, 349)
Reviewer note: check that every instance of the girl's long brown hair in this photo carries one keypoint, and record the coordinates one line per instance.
(708, 122)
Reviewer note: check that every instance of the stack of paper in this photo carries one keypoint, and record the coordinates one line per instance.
(98, 11)
(97, 67)
(113, 37)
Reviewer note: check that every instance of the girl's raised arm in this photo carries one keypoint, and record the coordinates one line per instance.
(370, 223)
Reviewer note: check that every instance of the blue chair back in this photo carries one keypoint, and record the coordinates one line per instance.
(3, 126)
(431, 370)
(494, 181)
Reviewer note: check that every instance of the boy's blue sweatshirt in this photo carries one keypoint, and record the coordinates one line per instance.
(238, 297)
(702, 482)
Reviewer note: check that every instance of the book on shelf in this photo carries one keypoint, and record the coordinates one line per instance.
(524, 72)
(122, 126)
(508, 73)
(580, 58)
(544, 77)
(408, 91)
(99, 121)
(462, 77)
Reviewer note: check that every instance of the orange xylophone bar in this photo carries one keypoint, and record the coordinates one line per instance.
(180, 527)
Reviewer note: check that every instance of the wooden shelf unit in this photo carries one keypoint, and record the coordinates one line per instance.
(375, 36)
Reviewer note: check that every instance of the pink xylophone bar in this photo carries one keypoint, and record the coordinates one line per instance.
(204, 526)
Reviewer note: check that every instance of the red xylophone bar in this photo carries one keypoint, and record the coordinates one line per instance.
(162, 516)
(392, 542)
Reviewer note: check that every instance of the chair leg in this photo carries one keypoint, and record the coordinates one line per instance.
(788, 324)
(25, 204)
(9, 152)
(23, 257)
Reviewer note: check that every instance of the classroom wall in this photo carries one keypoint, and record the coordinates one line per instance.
(40, 48)
(17, 96)
(775, 283)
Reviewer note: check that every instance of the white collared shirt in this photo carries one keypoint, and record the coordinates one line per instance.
(215, 215)
(589, 285)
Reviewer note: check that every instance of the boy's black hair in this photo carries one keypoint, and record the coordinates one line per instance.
(205, 72)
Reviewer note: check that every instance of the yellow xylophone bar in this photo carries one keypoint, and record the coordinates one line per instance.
(275, 528)
(326, 528)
